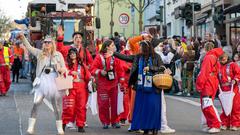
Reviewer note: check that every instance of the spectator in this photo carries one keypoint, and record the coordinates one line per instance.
(116, 40)
(236, 58)
(227, 49)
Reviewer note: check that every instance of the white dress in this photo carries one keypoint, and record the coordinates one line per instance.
(47, 87)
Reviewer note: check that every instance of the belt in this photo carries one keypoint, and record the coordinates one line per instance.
(212, 74)
(226, 84)
(207, 96)
(4, 65)
(78, 80)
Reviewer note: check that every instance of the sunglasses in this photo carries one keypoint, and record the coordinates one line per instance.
(47, 42)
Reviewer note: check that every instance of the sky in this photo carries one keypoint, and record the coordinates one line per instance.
(15, 9)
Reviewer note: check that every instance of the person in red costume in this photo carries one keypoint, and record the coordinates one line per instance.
(74, 105)
(207, 85)
(77, 43)
(83, 52)
(108, 72)
(6, 60)
(127, 92)
(229, 76)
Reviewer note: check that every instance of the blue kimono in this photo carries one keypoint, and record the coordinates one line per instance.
(147, 108)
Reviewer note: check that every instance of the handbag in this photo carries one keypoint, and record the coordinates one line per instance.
(64, 82)
(37, 80)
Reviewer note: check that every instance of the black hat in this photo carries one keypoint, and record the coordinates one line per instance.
(72, 50)
(76, 33)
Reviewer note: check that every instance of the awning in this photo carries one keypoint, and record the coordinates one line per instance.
(232, 9)
(237, 19)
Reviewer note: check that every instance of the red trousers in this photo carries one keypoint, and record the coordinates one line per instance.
(107, 104)
(126, 105)
(5, 80)
(234, 118)
(74, 105)
(211, 114)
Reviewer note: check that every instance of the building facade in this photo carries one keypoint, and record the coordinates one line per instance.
(102, 9)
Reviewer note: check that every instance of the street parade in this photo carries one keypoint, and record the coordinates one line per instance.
(121, 67)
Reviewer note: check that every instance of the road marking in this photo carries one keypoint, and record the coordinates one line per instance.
(47, 103)
(19, 116)
(184, 100)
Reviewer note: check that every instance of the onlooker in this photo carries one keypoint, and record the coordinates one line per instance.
(6, 60)
(236, 58)
(116, 40)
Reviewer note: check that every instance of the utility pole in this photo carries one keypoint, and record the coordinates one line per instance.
(193, 6)
(98, 32)
(213, 12)
(164, 7)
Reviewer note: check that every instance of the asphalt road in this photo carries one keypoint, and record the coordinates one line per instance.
(183, 115)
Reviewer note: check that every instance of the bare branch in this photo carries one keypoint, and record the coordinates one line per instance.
(132, 4)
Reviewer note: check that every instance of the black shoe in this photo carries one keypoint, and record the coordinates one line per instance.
(13, 81)
(17, 81)
(116, 125)
(81, 129)
(123, 122)
(64, 126)
(4, 94)
(105, 126)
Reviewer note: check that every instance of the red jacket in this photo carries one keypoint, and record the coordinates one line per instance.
(87, 58)
(2, 60)
(102, 81)
(234, 74)
(207, 81)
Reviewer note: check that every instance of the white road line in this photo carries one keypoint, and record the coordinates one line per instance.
(49, 105)
(184, 100)
(19, 116)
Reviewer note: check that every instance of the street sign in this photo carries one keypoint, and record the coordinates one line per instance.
(124, 19)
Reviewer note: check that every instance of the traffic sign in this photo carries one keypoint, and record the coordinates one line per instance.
(124, 19)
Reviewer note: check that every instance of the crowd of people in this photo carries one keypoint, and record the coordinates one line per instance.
(126, 66)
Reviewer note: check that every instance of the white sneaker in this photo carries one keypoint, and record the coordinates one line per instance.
(234, 128)
(188, 94)
(179, 93)
(213, 130)
(205, 129)
(167, 130)
(71, 125)
(85, 124)
(223, 127)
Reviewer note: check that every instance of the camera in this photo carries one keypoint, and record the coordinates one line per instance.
(47, 70)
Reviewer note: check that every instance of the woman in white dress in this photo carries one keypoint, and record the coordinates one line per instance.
(49, 63)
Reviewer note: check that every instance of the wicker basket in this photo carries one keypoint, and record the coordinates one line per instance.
(163, 81)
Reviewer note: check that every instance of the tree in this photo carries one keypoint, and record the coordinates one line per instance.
(112, 6)
(5, 23)
(142, 5)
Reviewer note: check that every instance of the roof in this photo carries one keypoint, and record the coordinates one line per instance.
(67, 1)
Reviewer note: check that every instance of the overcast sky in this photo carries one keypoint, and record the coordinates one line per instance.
(15, 9)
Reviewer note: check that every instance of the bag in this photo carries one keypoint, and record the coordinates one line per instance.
(226, 99)
(36, 82)
(92, 103)
(162, 81)
(64, 83)
(120, 107)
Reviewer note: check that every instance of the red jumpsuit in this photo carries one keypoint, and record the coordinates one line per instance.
(207, 85)
(74, 105)
(233, 120)
(107, 91)
(127, 93)
(86, 56)
(5, 80)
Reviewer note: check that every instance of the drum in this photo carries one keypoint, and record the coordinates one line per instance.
(163, 81)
